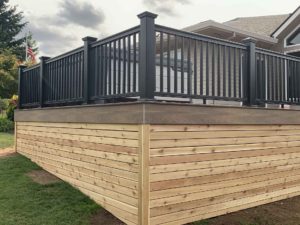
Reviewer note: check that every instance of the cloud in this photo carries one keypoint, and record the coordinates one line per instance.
(166, 7)
(50, 39)
(83, 14)
(61, 31)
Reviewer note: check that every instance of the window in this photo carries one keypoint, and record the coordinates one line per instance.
(294, 39)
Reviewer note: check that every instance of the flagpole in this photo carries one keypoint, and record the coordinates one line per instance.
(26, 48)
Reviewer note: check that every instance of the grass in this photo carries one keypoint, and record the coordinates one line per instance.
(6, 140)
(24, 202)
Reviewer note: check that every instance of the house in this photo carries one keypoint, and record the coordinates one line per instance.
(279, 33)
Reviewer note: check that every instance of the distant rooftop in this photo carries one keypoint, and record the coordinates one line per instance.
(263, 25)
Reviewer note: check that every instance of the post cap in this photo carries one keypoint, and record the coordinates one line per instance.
(147, 14)
(22, 66)
(89, 39)
(249, 40)
(44, 58)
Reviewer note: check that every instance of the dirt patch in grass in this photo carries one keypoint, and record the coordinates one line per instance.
(285, 212)
(42, 177)
(102, 217)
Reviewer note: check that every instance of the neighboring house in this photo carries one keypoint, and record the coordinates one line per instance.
(278, 32)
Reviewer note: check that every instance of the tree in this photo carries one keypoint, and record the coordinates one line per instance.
(8, 74)
(11, 25)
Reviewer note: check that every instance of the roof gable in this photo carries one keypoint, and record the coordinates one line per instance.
(286, 22)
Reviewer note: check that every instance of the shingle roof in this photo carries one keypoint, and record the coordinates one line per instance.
(263, 25)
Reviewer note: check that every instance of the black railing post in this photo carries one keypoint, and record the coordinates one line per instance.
(147, 41)
(86, 67)
(250, 82)
(20, 85)
(42, 79)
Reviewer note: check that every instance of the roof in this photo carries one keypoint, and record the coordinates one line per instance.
(221, 26)
(263, 25)
(282, 26)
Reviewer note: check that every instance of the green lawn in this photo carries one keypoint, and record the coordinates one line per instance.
(24, 202)
(6, 140)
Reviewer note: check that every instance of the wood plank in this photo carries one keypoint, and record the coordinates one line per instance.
(92, 139)
(81, 144)
(123, 182)
(160, 113)
(108, 170)
(224, 184)
(222, 170)
(220, 148)
(84, 158)
(166, 184)
(164, 160)
(83, 131)
(217, 192)
(219, 141)
(221, 134)
(214, 127)
(121, 157)
(220, 163)
(103, 185)
(217, 211)
(15, 136)
(91, 126)
(144, 189)
(219, 199)
(114, 195)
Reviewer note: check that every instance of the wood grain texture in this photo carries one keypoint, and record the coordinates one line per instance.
(163, 174)
(202, 171)
(160, 113)
(144, 188)
(101, 160)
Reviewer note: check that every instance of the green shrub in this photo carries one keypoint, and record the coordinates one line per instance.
(11, 107)
(3, 105)
(10, 112)
(6, 125)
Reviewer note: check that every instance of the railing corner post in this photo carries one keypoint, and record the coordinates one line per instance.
(86, 67)
(250, 83)
(147, 44)
(42, 79)
(20, 74)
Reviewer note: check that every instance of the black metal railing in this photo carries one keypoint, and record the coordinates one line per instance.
(151, 61)
(278, 77)
(63, 79)
(114, 66)
(195, 66)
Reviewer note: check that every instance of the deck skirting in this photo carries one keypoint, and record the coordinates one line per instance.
(151, 168)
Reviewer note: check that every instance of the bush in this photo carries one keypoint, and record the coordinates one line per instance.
(10, 112)
(3, 105)
(11, 107)
(6, 125)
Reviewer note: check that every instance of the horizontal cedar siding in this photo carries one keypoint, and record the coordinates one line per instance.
(101, 160)
(202, 171)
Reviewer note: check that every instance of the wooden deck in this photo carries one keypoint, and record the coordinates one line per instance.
(159, 164)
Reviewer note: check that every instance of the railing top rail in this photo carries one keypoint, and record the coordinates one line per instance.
(119, 35)
(74, 51)
(277, 54)
(199, 37)
(31, 67)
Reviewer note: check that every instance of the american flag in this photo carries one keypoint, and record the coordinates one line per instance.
(30, 53)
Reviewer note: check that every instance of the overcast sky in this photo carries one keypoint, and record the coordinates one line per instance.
(59, 25)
